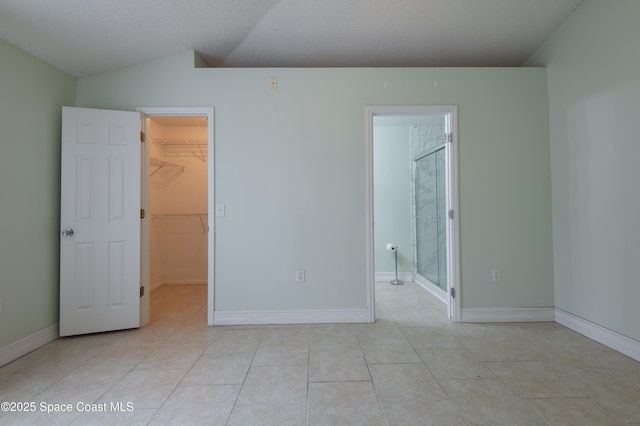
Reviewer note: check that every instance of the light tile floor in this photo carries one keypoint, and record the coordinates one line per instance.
(412, 367)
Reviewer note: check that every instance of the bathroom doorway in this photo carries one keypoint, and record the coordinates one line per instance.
(412, 159)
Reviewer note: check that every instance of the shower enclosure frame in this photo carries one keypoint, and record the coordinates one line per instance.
(426, 281)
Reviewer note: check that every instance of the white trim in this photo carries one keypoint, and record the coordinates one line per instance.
(453, 228)
(209, 113)
(184, 279)
(388, 276)
(432, 288)
(609, 338)
(369, 230)
(178, 280)
(508, 315)
(156, 284)
(27, 344)
(331, 316)
(145, 251)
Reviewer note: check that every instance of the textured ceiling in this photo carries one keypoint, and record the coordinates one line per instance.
(85, 37)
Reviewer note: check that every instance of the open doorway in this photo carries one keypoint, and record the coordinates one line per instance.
(178, 193)
(178, 217)
(413, 202)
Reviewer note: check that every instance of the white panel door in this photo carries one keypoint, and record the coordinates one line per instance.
(100, 221)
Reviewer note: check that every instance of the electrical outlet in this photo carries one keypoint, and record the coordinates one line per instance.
(300, 276)
(273, 83)
(220, 210)
(496, 275)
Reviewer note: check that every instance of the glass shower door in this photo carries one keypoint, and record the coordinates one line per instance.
(430, 217)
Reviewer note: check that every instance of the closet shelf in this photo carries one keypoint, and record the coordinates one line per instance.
(183, 147)
(162, 173)
(183, 222)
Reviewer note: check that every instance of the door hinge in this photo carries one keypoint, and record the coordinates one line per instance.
(141, 291)
(141, 136)
(450, 214)
(452, 290)
(448, 137)
(141, 213)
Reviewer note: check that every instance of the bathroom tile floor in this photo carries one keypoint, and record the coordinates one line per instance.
(412, 367)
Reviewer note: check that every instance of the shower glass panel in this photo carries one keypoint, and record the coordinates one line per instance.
(441, 201)
(430, 205)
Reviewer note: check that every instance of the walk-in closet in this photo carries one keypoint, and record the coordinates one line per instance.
(178, 202)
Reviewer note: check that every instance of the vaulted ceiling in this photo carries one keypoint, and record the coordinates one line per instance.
(85, 37)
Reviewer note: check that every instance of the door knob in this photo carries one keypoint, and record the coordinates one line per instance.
(67, 232)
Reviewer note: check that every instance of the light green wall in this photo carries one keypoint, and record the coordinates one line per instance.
(31, 96)
(290, 167)
(391, 197)
(594, 89)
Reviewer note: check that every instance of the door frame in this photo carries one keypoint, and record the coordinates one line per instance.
(453, 228)
(145, 243)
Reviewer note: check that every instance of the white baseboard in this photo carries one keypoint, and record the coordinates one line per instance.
(156, 284)
(27, 344)
(388, 276)
(184, 279)
(178, 280)
(330, 316)
(508, 315)
(433, 289)
(609, 338)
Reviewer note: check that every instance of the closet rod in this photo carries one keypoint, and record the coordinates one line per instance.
(177, 147)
